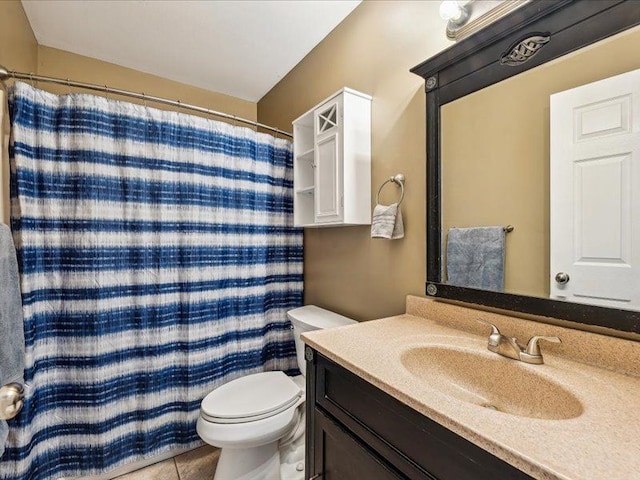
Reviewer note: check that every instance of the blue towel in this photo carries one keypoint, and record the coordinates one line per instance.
(11, 326)
(475, 257)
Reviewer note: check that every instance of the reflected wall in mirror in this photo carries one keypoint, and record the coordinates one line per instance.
(495, 160)
(488, 151)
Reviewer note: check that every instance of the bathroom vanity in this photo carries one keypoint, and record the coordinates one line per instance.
(420, 396)
(359, 431)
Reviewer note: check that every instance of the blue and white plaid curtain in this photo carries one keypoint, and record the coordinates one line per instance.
(158, 260)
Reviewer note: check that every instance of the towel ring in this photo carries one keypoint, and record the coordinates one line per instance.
(399, 179)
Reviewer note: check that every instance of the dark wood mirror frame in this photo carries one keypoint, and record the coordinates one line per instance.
(479, 61)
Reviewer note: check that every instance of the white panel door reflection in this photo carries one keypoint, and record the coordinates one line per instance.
(595, 193)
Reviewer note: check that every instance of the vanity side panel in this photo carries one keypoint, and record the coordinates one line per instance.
(310, 406)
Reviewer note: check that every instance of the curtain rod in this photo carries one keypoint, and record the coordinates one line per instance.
(6, 74)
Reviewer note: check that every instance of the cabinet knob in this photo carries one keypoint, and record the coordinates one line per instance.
(562, 278)
(308, 354)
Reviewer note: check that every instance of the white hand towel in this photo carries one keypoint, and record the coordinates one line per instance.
(387, 222)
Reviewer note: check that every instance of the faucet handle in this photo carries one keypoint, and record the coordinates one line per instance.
(494, 338)
(532, 346)
(494, 329)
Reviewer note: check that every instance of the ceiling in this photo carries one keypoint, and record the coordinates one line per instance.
(240, 48)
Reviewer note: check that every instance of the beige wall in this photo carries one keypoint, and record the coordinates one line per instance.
(18, 51)
(59, 63)
(495, 155)
(18, 46)
(371, 51)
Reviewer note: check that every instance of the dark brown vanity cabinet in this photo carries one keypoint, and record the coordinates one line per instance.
(356, 431)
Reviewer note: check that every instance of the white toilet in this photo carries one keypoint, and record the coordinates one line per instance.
(253, 418)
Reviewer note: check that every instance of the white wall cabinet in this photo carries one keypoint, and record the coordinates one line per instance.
(332, 162)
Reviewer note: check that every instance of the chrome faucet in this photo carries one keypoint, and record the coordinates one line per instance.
(509, 346)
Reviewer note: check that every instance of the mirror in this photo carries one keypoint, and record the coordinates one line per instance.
(499, 173)
(488, 129)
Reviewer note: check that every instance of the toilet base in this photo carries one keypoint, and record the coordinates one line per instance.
(256, 463)
(292, 460)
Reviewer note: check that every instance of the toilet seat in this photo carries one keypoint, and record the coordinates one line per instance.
(251, 398)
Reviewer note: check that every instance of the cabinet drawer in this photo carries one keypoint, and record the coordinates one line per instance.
(339, 456)
(413, 443)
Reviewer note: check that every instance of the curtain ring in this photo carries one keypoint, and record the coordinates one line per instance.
(68, 86)
(33, 84)
(144, 99)
(399, 179)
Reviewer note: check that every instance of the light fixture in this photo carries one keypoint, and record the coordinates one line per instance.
(467, 17)
(455, 13)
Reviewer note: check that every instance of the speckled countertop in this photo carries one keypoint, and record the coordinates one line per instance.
(601, 442)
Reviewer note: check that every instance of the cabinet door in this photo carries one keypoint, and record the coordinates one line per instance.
(339, 456)
(328, 194)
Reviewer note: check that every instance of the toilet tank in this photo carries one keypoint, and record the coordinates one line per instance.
(308, 318)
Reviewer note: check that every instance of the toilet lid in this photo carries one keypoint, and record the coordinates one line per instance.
(251, 398)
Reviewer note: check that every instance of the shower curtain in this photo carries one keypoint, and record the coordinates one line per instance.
(158, 260)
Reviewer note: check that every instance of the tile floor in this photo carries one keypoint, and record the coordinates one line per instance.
(198, 464)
